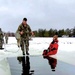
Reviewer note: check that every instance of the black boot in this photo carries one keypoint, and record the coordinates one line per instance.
(18, 46)
(23, 53)
(27, 53)
(1, 48)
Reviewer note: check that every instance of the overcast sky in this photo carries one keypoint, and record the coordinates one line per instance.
(46, 14)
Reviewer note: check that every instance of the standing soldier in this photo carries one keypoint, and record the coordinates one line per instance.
(1, 39)
(25, 30)
(6, 37)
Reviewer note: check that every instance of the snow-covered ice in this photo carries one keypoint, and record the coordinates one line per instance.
(4, 67)
(66, 51)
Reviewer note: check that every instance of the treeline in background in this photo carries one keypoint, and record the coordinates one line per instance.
(50, 33)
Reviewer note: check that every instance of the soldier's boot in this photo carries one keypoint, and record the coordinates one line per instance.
(1, 47)
(22, 48)
(19, 45)
(27, 53)
(27, 49)
(23, 52)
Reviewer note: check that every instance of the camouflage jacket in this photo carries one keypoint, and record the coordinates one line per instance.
(1, 35)
(26, 31)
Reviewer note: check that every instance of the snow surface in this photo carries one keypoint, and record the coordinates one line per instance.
(66, 51)
(37, 45)
(4, 67)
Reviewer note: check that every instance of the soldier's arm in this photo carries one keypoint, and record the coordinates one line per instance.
(20, 30)
(2, 34)
(31, 31)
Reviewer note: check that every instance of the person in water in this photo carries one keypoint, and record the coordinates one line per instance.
(53, 47)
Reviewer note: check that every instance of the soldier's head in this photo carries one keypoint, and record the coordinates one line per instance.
(24, 21)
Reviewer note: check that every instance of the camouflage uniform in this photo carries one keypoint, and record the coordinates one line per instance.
(25, 37)
(17, 35)
(1, 39)
(6, 38)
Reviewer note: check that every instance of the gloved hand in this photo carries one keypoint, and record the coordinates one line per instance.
(21, 33)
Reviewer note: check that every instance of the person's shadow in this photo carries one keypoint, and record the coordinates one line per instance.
(52, 62)
(25, 65)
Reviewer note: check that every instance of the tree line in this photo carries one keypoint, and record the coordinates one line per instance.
(50, 33)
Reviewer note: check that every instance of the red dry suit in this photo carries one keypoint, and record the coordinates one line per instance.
(53, 48)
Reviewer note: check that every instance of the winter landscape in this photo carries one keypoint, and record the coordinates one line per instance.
(66, 51)
(43, 21)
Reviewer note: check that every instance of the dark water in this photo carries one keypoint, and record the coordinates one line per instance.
(37, 65)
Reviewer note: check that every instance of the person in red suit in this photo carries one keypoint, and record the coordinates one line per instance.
(53, 47)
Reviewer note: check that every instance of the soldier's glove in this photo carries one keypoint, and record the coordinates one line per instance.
(21, 33)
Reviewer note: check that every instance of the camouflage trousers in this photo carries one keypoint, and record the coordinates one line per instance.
(24, 45)
(1, 43)
(6, 41)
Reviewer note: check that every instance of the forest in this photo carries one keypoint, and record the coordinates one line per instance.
(50, 33)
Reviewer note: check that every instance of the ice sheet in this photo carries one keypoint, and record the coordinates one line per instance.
(66, 51)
